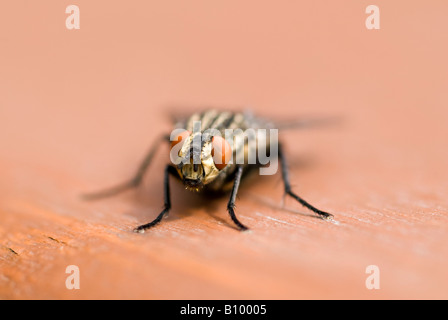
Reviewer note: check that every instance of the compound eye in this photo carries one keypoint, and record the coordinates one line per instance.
(221, 152)
(181, 137)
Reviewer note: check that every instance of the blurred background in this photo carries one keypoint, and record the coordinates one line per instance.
(79, 109)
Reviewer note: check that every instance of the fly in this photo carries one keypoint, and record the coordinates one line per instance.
(211, 151)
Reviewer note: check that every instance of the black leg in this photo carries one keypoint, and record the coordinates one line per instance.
(231, 204)
(288, 191)
(132, 183)
(167, 201)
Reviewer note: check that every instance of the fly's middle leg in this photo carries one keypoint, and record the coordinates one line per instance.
(134, 181)
(288, 191)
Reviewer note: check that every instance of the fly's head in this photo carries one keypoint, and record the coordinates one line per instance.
(199, 159)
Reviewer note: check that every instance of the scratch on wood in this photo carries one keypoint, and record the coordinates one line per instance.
(56, 240)
(274, 219)
(11, 250)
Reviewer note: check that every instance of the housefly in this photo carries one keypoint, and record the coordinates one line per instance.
(211, 151)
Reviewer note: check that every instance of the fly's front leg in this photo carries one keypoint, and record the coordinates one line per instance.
(167, 201)
(288, 191)
(132, 183)
(231, 204)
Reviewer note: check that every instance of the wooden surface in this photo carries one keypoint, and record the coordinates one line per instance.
(79, 109)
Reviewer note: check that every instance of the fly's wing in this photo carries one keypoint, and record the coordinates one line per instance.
(308, 122)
